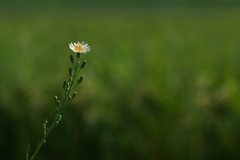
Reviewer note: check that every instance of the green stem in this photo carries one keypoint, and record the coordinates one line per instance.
(39, 145)
(58, 114)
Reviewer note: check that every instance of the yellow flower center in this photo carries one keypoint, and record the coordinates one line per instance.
(79, 48)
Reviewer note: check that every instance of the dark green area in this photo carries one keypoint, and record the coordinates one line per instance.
(40, 5)
(161, 83)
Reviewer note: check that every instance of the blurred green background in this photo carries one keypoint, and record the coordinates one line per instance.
(162, 79)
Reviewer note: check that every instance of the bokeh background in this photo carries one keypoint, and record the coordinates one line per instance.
(161, 83)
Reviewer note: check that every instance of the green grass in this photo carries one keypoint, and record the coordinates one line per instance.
(159, 84)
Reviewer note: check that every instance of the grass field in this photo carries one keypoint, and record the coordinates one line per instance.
(160, 84)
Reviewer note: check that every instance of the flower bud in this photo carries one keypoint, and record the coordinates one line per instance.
(46, 121)
(64, 84)
(68, 85)
(74, 95)
(79, 80)
(59, 117)
(70, 79)
(56, 99)
(59, 104)
(44, 129)
(70, 72)
(71, 59)
(83, 64)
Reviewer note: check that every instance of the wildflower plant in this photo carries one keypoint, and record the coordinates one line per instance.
(73, 81)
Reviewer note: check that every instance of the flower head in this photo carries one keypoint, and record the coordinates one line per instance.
(79, 47)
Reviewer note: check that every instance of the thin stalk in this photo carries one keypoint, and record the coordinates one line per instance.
(58, 114)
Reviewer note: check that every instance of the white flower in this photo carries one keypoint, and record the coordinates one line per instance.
(79, 47)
